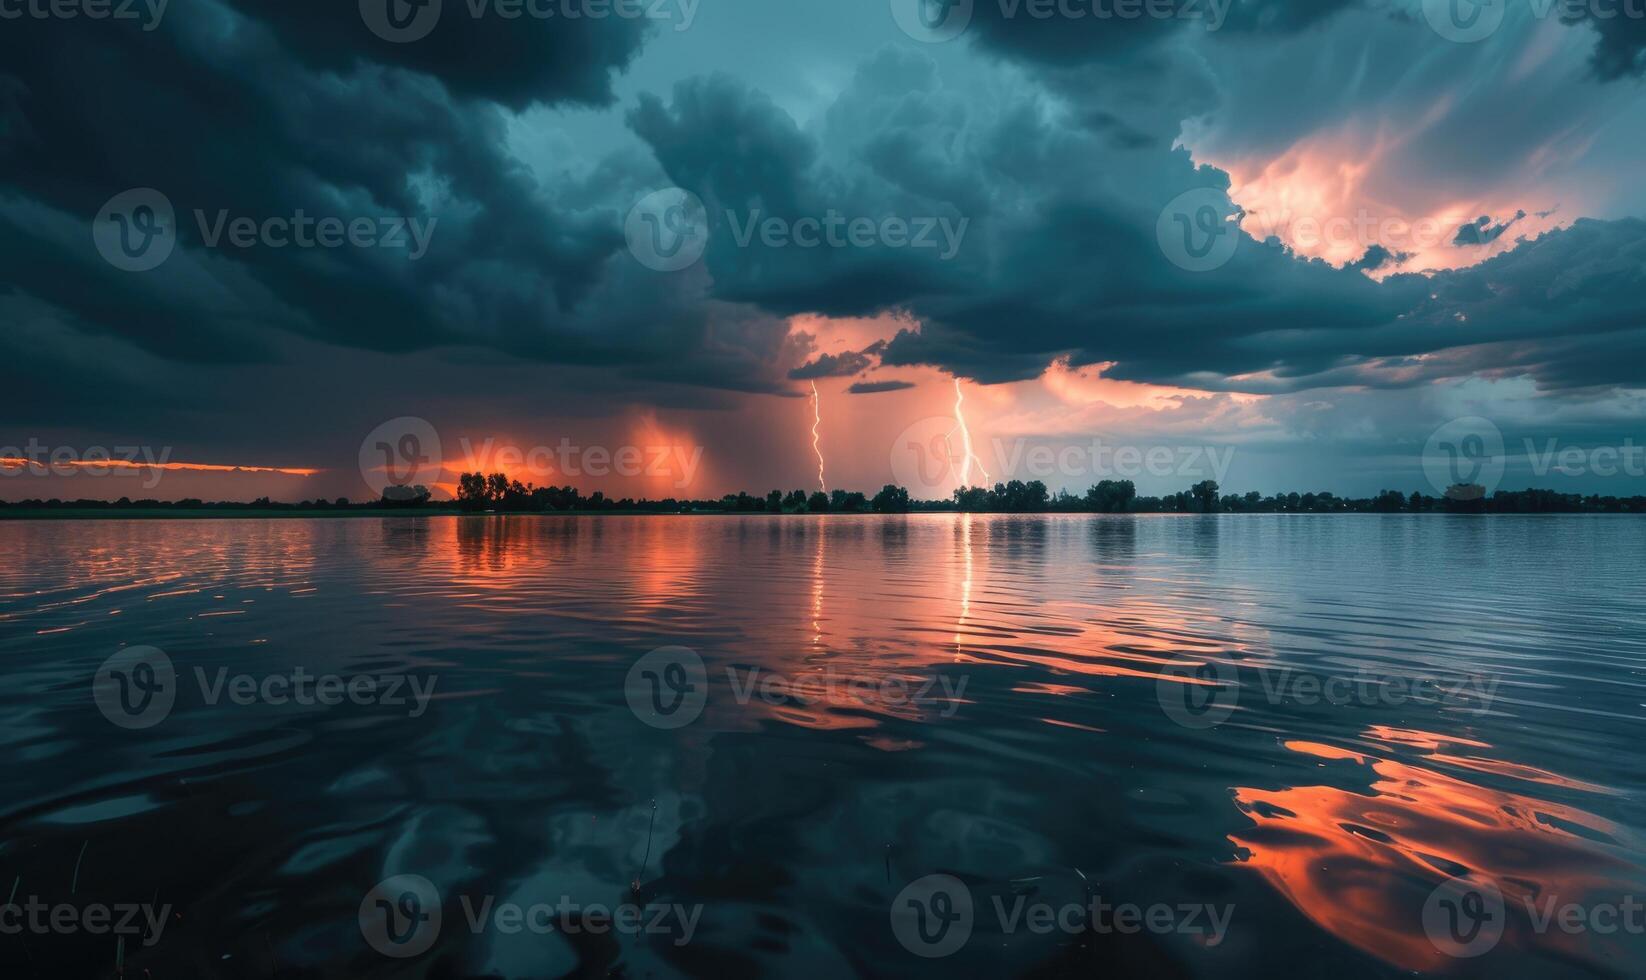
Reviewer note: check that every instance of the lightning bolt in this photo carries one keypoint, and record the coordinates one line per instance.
(817, 440)
(968, 457)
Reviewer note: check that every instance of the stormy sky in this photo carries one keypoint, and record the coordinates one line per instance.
(1280, 243)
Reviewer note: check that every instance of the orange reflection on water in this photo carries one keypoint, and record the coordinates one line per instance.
(1361, 862)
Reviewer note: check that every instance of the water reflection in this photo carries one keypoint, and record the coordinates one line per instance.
(810, 790)
(1361, 859)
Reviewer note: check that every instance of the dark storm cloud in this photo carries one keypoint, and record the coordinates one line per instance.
(1377, 257)
(252, 110)
(878, 387)
(514, 61)
(833, 366)
(1481, 231)
(1069, 32)
(1620, 46)
(1052, 262)
(1037, 191)
(1062, 261)
(756, 170)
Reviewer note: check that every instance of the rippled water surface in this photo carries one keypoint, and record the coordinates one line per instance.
(1307, 723)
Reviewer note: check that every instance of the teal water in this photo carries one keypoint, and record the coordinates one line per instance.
(1350, 744)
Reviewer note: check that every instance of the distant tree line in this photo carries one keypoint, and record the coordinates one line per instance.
(478, 493)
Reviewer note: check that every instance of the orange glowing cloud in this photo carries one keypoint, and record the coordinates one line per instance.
(862, 434)
(1337, 192)
(9, 464)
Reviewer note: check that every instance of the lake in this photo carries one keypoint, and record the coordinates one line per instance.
(991, 745)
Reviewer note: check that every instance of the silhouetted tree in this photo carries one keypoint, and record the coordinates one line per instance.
(1205, 495)
(891, 499)
(972, 499)
(413, 496)
(1111, 496)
